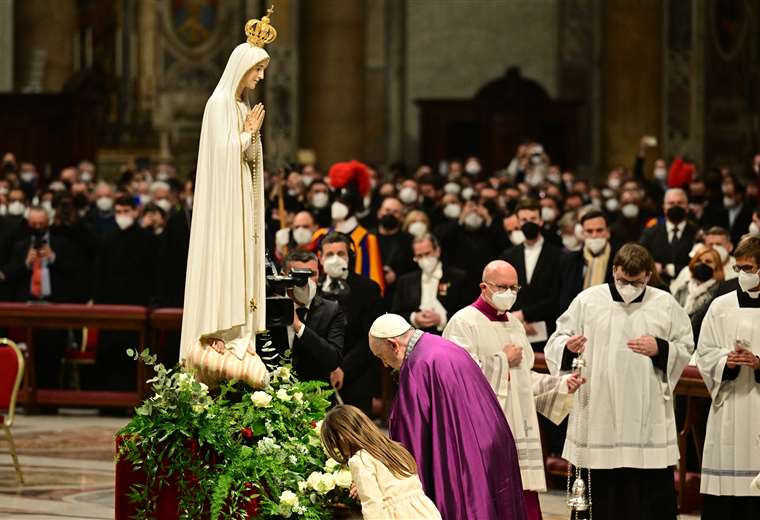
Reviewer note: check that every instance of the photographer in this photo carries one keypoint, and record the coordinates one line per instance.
(316, 335)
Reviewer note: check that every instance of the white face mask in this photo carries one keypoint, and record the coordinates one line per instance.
(729, 202)
(473, 221)
(305, 294)
(408, 195)
(472, 167)
(57, 186)
(144, 199)
(554, 178)
(452, 188)
(47, 205)
(570, 242)
(660, 174)
(628, 292)
(630, 211)
(104, 203)
(612, 205)
(613, 183)
(596, 245)
(748, 281)
(417, 229)
(548, 214)
(86, 177)
(164, 204)
(467, 193)
(338, 211)
(503, 300)
(16, 208)
(302, 235)
(452, 211)
(517, 237)
(722, 252)
(335, 267)
(428, 264)
(162, 176)
(28, 176)
(320, 200)
(754, 229)
(307, 180)
(124, 221)
(189, 202)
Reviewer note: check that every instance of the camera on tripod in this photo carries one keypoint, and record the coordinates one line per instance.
(279, 305)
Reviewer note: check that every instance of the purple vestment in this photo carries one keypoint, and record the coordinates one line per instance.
(447, 416)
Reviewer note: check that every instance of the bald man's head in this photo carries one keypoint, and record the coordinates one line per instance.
(498, 276)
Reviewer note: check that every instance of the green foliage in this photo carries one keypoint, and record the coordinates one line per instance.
(233, 452)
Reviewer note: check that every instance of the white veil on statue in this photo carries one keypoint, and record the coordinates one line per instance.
(225, 283)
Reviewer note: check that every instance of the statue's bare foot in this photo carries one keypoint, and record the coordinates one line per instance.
(218, 345)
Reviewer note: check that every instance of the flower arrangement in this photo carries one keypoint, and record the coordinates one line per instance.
(233, 453)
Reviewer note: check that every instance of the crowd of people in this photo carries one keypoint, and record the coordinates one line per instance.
(421, 245)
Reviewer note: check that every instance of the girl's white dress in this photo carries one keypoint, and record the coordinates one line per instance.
(385, 496)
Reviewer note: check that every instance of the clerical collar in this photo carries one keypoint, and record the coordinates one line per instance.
(747, 300)
(488, 311)
(413, 339)
(617, 298)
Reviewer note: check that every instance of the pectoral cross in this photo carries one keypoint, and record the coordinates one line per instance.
(252, 304)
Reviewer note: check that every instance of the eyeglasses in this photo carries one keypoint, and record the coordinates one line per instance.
(514, 288)
(638, 284)
(747, 268)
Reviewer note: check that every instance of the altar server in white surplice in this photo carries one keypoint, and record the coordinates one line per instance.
(498, 343)
(636, 341)
(727, 358)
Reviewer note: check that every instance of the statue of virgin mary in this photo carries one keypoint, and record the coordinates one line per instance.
(225, 286)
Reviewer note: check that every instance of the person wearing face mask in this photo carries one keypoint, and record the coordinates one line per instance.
(499, 345)
(13, 227)
(636, 341)
(124, 274)
(100, 217)
(395, 244)
(317, 332)
(550, 215)
(408, 193)
(416, 223)
(153, 219)
(739, 210)
(351, 182)
(318, 202)
(728, 358)
(434, 292)
(357, 377)
(701, 287)
(297, 236)
(537, 262)
(670, 241)
(589, 266)
(656, 185)
(172, 263)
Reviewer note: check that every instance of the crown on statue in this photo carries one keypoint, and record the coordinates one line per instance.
(260, 32)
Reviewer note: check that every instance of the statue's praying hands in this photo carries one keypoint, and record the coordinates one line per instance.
(254, 119)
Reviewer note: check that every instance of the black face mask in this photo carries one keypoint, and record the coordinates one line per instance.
(388, 221)
(676, 214)
(531, 230)
(702, 272)
(81, 201)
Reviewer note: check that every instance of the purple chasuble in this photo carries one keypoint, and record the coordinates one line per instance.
(447, 416)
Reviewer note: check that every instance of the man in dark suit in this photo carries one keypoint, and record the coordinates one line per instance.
(738, 207)
(124, 274)
(316, 336)
(591, 265)
(537, 264)
(670, 241)
(43, 268)
(433, 293)
(357, 376)
(395, 244)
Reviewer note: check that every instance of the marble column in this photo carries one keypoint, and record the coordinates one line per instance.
(631, 77)
(45, 26)
(332, 79)
(6, 46)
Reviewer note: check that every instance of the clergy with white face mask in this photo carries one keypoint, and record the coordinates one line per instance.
(635, 340)
(727, 358)
(497, 342)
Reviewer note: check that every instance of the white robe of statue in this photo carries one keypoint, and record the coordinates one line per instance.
(225, 284)
(628, 420)
(731, 459)
(520, 391)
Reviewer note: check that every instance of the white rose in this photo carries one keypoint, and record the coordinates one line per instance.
(326, 484)
(261, 399)
(298, 397)
(313, 479)
(283, 395)
(343, 478)
(282, 373)
(331, 465)
(289, 498)
(204, 388)
(302, 486)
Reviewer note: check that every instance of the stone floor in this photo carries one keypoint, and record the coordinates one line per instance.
(67, 462)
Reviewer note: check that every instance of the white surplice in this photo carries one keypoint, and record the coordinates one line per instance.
(225, 283)
(520, 390)
(628, 420)
(731, 458)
